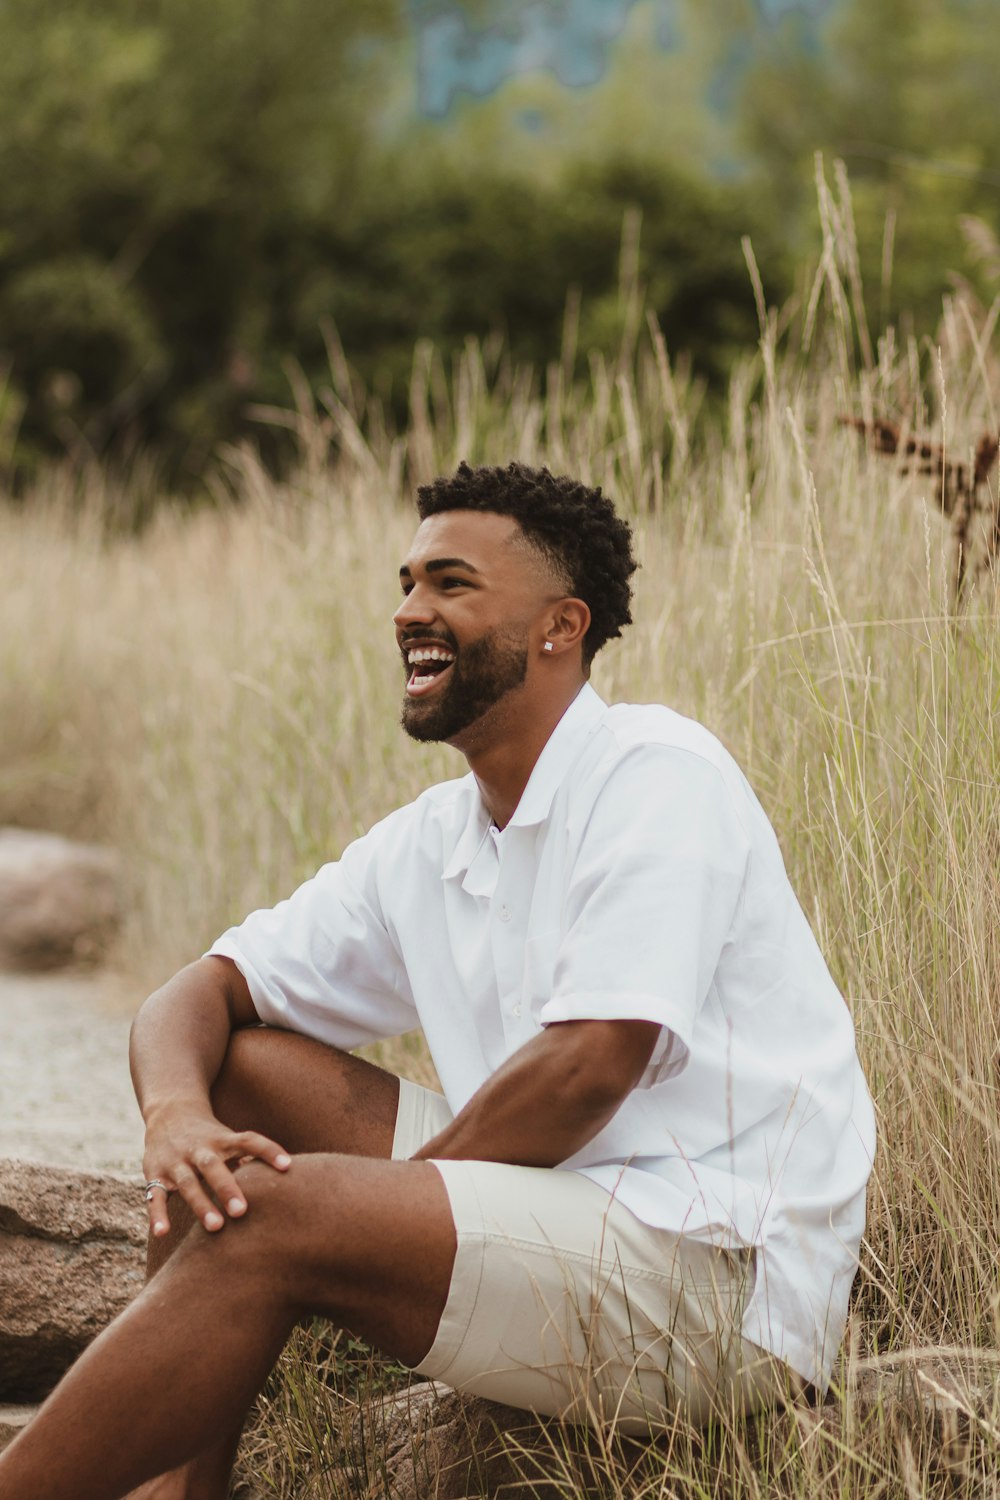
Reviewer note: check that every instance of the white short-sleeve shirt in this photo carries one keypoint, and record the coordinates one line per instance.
(639, 879)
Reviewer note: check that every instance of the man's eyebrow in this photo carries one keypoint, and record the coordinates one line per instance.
(438, 565)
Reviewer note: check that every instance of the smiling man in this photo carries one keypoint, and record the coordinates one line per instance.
(641, 1191)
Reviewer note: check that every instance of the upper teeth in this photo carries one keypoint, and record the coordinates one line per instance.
(433, 654)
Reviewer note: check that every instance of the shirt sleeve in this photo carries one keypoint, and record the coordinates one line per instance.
(322, 962)
(654, 895)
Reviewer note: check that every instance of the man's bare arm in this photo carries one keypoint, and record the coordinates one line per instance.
(178, 1044)
(551, 1097)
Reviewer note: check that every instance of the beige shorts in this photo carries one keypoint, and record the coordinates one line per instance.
(563, 1303)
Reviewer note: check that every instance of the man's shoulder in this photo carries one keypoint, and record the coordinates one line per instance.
(632, 726)
(651, 763)
(649, 751)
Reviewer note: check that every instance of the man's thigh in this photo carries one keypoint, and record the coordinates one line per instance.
(305, 1095)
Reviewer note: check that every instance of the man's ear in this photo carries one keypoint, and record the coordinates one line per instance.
(566, 625)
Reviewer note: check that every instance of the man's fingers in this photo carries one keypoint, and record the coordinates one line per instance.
(156, 1202)
(194, 1195)
(259, 1147)
(203, 1172)
(225, 1189)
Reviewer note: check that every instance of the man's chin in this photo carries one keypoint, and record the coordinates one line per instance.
(424, 733)
(437, 723)
(421, 722)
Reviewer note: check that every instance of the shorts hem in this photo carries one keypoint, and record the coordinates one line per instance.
(452, 1331)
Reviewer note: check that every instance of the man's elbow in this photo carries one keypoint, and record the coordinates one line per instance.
(604, 1061)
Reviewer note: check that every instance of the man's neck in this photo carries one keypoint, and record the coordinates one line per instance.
(502, 752)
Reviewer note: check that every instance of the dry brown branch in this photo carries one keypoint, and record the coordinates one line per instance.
(963, 492)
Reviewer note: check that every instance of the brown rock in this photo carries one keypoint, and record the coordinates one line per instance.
(59, 901)
(943, 1404)
(942, 1398)
(71, 1258)
(431, 1440)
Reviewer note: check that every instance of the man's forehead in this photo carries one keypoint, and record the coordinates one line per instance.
(481, 538)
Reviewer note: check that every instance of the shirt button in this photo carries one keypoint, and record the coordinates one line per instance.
(504, 914)
(517, 1010)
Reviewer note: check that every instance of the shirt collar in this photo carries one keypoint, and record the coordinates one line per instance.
(558, 754)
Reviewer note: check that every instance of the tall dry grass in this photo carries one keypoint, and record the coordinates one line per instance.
(219, 698)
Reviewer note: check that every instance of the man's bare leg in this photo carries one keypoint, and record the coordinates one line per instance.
(310, 1098)
(367, 1243)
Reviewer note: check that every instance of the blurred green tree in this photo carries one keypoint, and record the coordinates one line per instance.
(432, 250)
(190, 192)
(901, 91)
(158, 160)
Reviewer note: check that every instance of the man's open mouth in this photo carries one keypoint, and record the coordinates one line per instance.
(427, 664)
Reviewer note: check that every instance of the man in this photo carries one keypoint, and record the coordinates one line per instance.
(643, 1189)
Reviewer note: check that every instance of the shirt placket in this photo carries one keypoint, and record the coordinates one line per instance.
(509, 909)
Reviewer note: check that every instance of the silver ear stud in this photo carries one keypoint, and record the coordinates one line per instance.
(547, 646)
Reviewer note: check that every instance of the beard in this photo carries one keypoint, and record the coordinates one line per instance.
(483, 673)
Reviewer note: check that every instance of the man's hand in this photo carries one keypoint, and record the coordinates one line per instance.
(191, 1152)
(179, 1042)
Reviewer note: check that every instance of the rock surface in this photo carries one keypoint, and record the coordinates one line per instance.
(71, 1258)
(946, 1397)
(432, 1441)
(59, 901)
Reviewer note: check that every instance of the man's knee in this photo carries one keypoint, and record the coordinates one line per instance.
(267, 1232)
(291, 1221)
(258, 1250)
(277, 1237)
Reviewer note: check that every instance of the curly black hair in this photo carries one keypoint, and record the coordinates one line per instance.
(575, 527)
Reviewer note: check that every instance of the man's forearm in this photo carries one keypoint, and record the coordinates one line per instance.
(551, 1097)
(180, 1036)
(179, 1043)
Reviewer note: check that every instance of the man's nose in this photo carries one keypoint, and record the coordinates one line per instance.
(415, 608)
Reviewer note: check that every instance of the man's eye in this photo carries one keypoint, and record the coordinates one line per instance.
(454, 583)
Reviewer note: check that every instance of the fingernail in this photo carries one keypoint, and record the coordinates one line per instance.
(213, 1221)
(236, 1205)
(159, 1228)
(282, 1160)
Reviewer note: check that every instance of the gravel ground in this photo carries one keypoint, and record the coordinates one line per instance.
(65, 1094)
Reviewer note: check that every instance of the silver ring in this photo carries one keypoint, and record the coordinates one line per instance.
(148, 1190)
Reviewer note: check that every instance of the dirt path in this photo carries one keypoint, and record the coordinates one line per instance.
(65, 1094)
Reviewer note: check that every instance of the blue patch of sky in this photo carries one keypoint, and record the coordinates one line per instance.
(776, 10)
(571, 39)
(473, 52)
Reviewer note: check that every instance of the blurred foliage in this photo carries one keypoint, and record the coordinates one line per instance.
(429, 250)
(193, 194)
(901, 92)
(164, 165)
